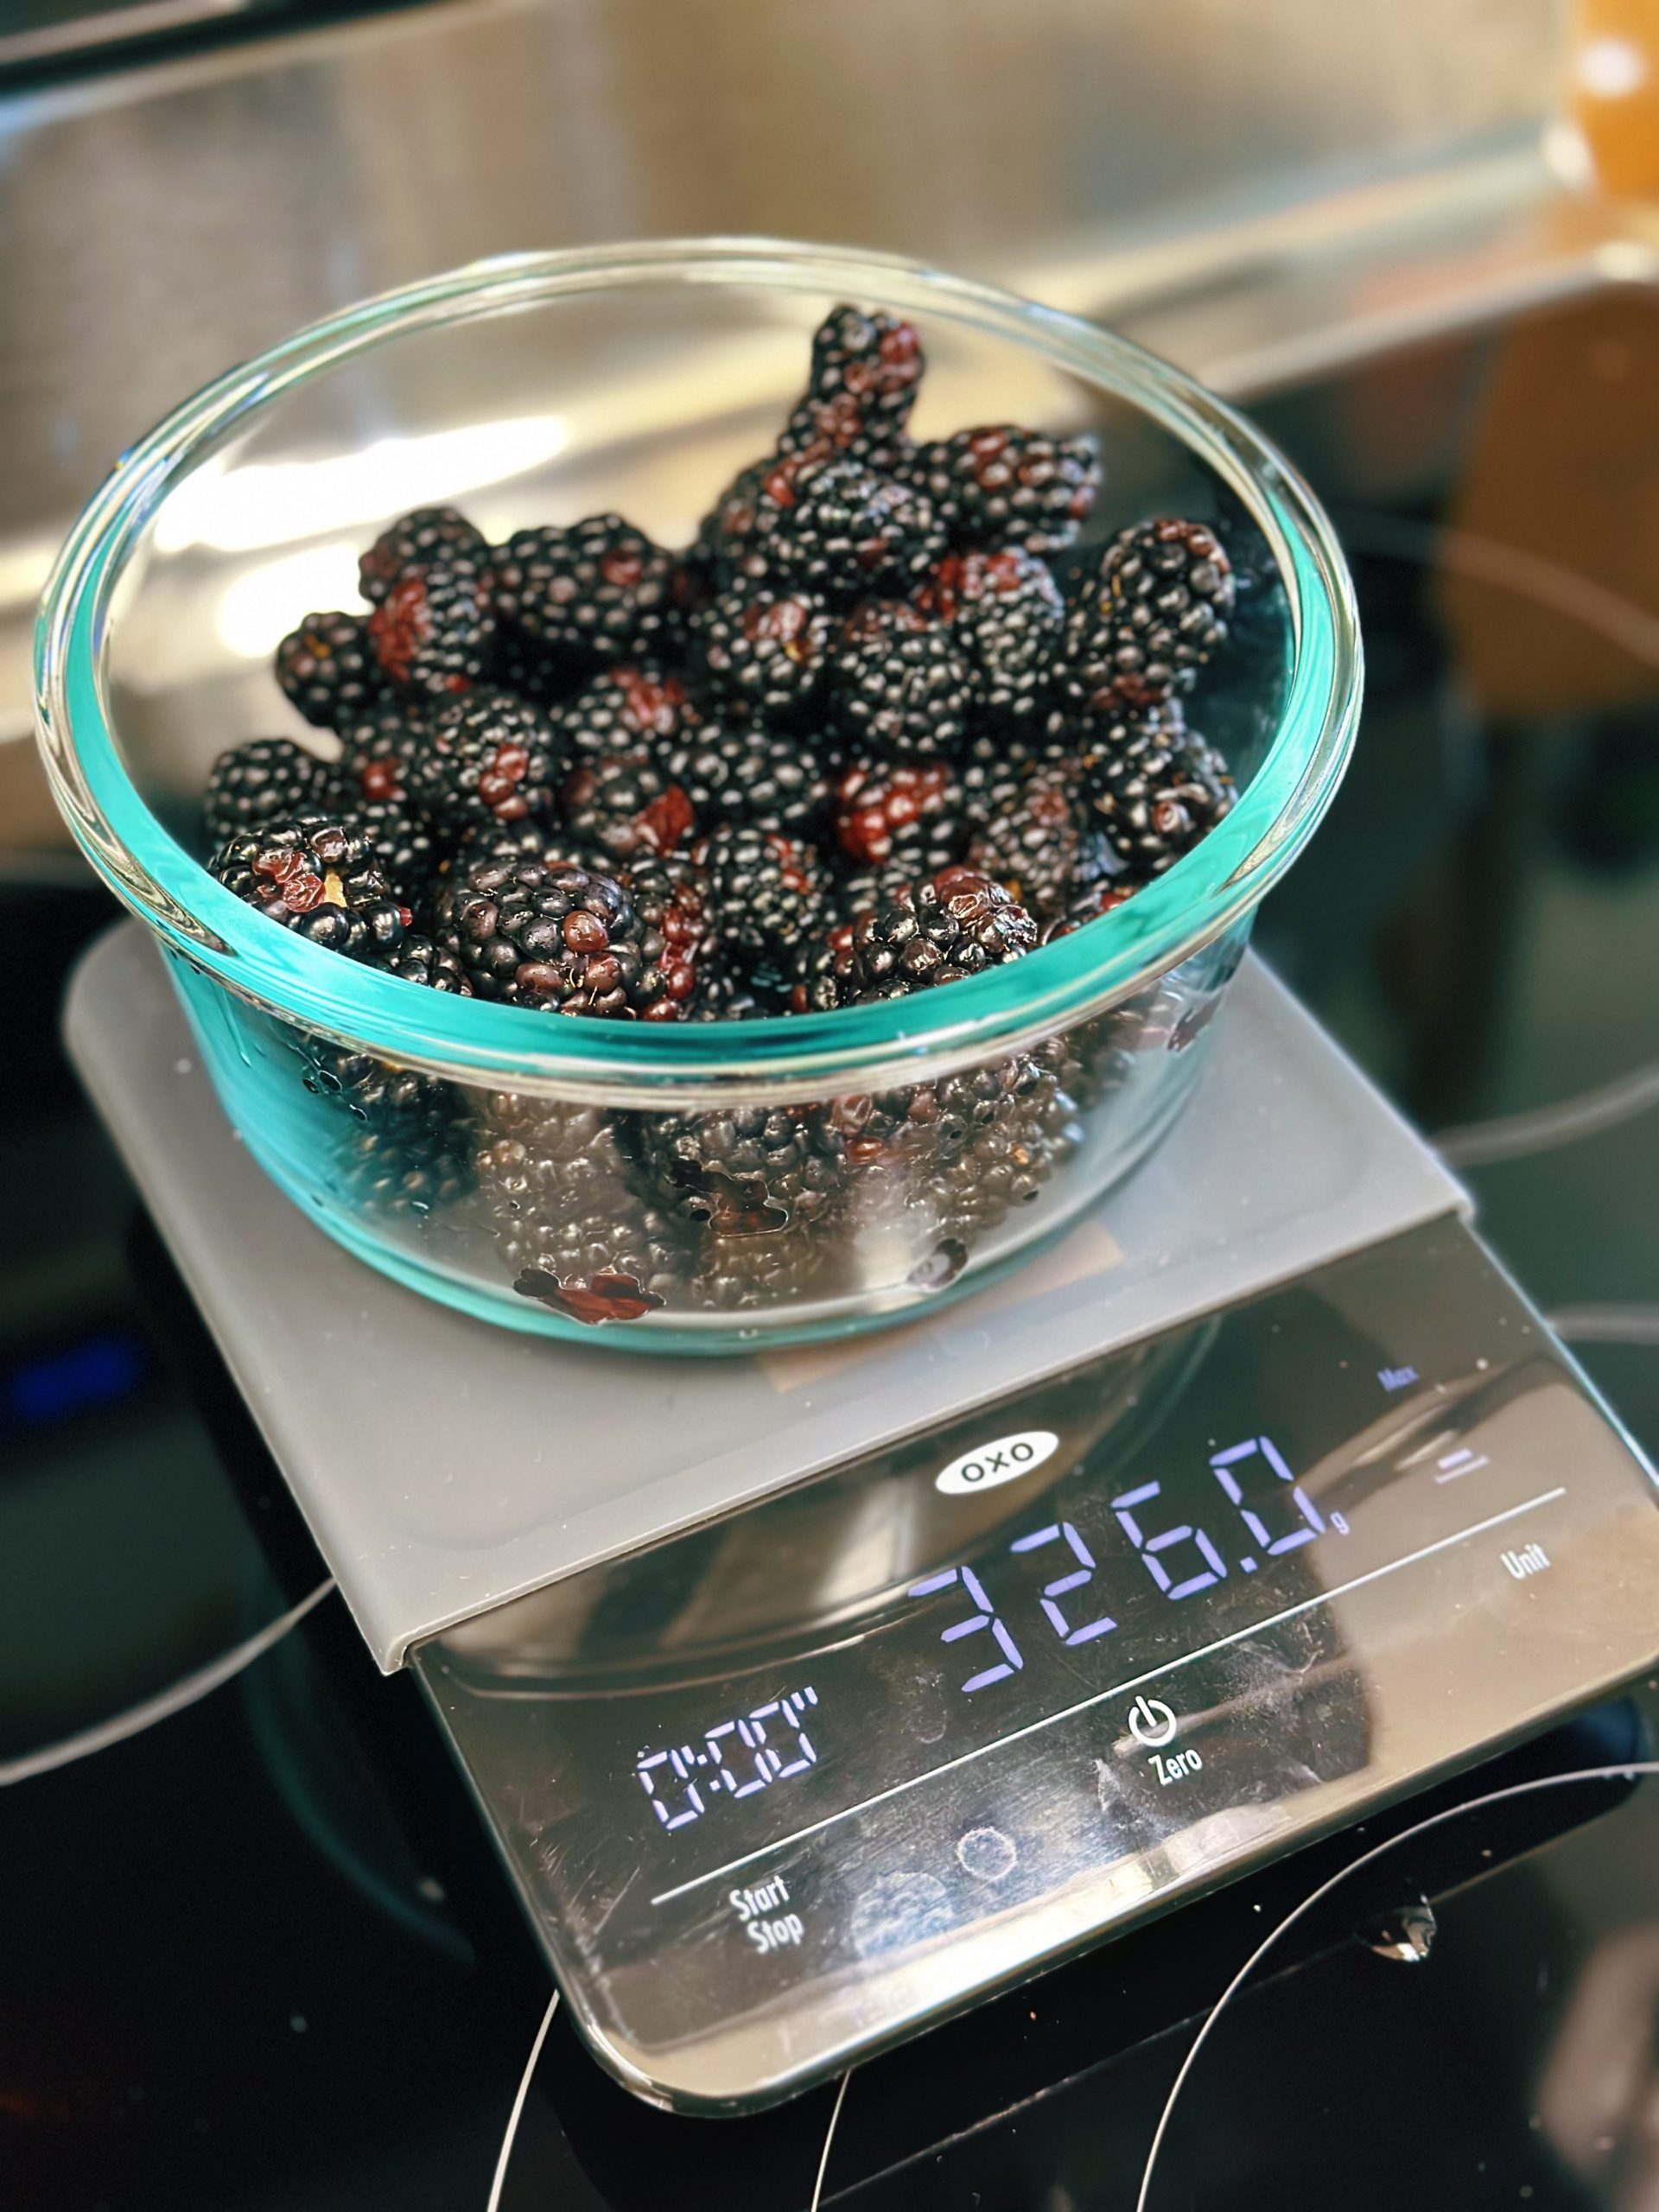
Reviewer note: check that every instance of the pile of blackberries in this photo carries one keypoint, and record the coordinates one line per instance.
(857, 741)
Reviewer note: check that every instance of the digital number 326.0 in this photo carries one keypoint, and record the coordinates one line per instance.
(1182, 1560)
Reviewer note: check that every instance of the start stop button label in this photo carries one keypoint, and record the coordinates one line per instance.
(1002, 1460)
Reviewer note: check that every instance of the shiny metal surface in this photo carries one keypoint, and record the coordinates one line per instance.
(1229, 181)
(1486, 1555)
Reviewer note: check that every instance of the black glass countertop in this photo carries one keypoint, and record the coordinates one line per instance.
(260, 1957)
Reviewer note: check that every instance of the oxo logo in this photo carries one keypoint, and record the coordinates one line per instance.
(1002, 1460)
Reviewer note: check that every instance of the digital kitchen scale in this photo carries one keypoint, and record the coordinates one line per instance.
(811, 1697)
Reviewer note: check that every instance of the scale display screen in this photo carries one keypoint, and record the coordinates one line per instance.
(801, 1781)
(1090, 1588)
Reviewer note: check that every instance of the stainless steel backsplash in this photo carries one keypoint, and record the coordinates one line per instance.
(1140, 160)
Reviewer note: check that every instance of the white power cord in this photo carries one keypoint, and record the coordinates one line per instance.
(187, 1691)
(517, 2113)
(1606, 1325)
(1542, 1128)
(829, 2138)
(1624, 622)
(1625, 1772)
(513, 2118)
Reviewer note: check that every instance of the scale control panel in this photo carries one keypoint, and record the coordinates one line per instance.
(789, 1786)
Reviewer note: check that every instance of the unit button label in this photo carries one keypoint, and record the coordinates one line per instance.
(1533, 1561)
(764, 1916)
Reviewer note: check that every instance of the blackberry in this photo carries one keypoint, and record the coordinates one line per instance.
(1041, 842)
(262, 782)
(488, 758)
(1157, 794)
(576, 1237)
(767, 894)
(823, 973)
(410, 1152)
(415, 541)
(866, 372)
(724, 994)
(745, 1272)
(906, 814)
(674, 905)
(419, 1174)
(544, 675)
(419, 960)
(999, 1134)
(379, 747)
(1001, 484)
(764, 651)
(1009, 619)
(959, 924)
(620, 805)
(743, 1170)
(631, 708)
(867, 887)
(739, 540)
(758, 1187)
(900, 683)
(554, 937)
(933, 1167)
(328, 670)
(318, 878)
(599, 586)
(1087, 906)
(824, 976)
(992, 774)
(845, 532)
(531, 840)
(1093, 736)
(409, 855)
(433, 631)
(1152, 613)
(765, 777)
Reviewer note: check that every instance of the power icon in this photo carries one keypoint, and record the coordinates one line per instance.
(1151, 1722)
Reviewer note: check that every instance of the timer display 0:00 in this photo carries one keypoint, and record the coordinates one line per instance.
(1232, 1468)
(758, 1763)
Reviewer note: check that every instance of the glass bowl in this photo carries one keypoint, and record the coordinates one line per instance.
(930, 1138)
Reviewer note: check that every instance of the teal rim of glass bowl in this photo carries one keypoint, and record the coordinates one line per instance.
(662, 1063)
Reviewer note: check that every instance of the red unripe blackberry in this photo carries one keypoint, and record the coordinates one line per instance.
(887, 813)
